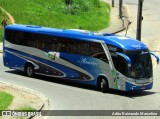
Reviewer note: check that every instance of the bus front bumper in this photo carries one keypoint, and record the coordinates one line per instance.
(138, 87)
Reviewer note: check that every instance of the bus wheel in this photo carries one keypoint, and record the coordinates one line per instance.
(104, 86)
(29, 69)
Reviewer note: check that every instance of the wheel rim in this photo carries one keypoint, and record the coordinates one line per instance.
(29, 71)
(101, 84)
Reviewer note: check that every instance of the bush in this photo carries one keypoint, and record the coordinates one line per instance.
(84, 5)
(71, 9)
(75, 7)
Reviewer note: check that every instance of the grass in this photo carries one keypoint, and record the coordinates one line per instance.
(50, 13)
(89, 14)
(5, 100)
(1, 34)
(1, 29)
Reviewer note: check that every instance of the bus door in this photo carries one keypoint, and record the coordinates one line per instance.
(122, 64)
(112, 70)
(119, 67)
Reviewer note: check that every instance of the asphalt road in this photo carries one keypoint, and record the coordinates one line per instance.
(70, 96)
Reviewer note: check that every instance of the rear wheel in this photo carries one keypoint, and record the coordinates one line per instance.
(29, 70)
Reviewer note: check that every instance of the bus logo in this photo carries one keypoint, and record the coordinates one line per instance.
(136, 46)
(53, 55)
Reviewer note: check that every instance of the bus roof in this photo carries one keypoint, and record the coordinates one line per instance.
(125, 43)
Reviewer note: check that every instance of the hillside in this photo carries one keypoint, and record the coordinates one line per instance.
(91, 14)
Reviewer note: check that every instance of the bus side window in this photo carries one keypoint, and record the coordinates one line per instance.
(72, 47)
(16, 38)
(29, 39)
(101, 56)
(61, 45)
(47, 44)
(10, 36)
(55, 44)
(97, 51)
(83, 48)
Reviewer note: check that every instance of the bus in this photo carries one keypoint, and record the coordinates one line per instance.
(104, 60)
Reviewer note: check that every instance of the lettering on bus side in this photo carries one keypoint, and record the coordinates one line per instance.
(112, 48)
(84, 60)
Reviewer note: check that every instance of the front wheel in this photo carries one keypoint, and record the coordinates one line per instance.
(104, 86)
(29, 70)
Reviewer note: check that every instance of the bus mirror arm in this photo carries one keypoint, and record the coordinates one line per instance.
(125, 57)
(156, 56)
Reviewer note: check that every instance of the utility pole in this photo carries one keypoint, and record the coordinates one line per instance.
(139, 19)
(112, 3)
(120, 8)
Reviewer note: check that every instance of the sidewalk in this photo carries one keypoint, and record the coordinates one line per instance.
(116, 24)
(1, 47)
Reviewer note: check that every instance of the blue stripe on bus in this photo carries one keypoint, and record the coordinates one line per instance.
(132, 87)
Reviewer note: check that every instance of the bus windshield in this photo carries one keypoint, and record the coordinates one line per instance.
(141, 66)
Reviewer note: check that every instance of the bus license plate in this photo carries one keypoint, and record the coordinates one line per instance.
(142, 81)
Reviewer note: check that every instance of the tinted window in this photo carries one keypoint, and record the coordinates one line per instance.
(39, 41)
(58, 44)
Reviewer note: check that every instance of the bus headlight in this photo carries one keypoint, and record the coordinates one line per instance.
(151, 79)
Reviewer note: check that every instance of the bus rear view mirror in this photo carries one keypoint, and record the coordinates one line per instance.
(125, 57)
(156, 56)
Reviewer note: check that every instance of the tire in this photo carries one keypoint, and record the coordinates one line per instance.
(104, 85)
(29, 70)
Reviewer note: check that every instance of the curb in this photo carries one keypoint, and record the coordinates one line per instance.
(125, 19)
(45, 100)
(1, 47)
(122, 23)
